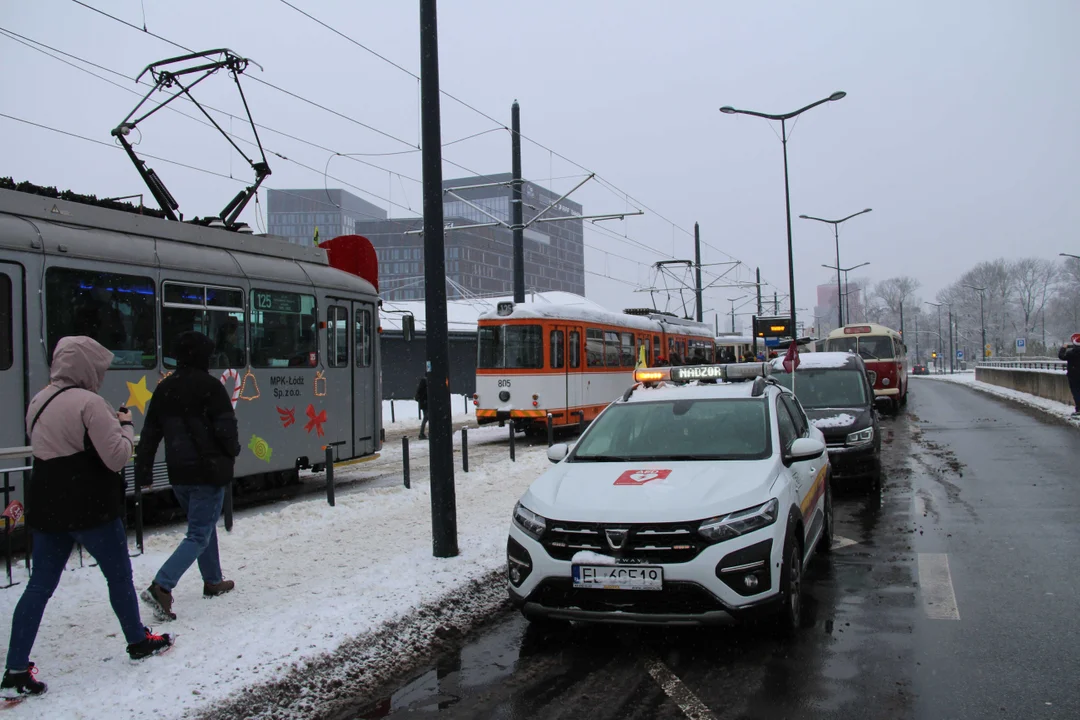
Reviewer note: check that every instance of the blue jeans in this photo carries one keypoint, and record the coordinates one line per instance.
(202, 503)
(108, 545)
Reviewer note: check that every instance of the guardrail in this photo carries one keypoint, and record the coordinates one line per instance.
(1032, 364)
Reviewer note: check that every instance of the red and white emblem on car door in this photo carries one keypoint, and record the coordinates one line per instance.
(640, 477)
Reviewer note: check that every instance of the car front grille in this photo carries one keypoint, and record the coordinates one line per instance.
(644, 543)
(676, 598)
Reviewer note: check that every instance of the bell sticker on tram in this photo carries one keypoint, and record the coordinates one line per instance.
(640, 477)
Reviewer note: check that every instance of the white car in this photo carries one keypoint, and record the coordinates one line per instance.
(682, 504)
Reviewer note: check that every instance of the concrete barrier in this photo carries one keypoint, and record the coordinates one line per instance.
(1042, 383)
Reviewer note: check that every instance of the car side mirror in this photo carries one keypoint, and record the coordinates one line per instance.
(804, 449)
(408, 327)
(558, 452)
(872, 377)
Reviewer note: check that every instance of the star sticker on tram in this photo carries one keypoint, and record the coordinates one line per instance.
(138, 395)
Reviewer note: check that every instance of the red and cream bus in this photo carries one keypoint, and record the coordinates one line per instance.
(883, 351)
(572, 360)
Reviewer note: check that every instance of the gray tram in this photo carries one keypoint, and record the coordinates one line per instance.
(296, 339)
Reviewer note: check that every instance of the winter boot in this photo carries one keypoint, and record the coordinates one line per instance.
(160, 601)
(218, 588)
(152, 645)
(18, 685)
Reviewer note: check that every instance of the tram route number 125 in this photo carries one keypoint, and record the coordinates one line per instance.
(504, 383)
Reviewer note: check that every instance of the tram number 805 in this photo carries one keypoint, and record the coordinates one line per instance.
(504, 383)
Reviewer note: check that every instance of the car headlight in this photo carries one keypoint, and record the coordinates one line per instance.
(530, 522)
(861, 437)
(739, 523)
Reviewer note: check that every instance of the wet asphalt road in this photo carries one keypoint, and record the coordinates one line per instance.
(957, 599)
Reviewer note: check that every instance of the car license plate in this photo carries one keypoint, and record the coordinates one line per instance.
(618, 577)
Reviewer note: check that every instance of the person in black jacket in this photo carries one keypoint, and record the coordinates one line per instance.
(421, 400)
(192, 412)
(1071, 355)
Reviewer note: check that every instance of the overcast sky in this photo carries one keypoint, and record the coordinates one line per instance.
(959, 128)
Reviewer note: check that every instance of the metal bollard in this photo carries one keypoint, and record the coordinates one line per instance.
(330, 475)
(465, 449)
(138, 516)
(227, 509)
(581, 421)
(551, 430)
(405, 460)
(512, 442)
(392, 420)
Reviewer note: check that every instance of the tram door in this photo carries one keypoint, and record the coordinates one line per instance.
(12, 429)
(364, 402)
(572, 337)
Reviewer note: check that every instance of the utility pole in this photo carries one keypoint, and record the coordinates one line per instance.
(776, 305)
(443, 502)
(759, 291)
(516, 209)
(697, 266)
(952, 353)
(917, 338)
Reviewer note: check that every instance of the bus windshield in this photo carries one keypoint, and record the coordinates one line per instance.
(510, 347)
(869, 347)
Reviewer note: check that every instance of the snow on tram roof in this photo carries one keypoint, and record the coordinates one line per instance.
(584, 310)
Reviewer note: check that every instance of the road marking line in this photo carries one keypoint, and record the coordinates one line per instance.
(674, 688)
(935, 581)
(842, 542)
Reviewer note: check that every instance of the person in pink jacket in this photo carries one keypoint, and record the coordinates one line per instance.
(75, 494)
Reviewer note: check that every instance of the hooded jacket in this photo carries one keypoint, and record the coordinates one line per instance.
(192, 412)
(79, 445)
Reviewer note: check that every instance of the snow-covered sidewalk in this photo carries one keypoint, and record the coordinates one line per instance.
(967, 378)
(310, 579)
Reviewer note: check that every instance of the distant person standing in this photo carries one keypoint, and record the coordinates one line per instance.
(1071, 355)
(421, 400)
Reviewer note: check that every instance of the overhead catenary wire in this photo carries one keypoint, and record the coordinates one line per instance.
(500, 125)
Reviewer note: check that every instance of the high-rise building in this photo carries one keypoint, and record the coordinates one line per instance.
(296, 214)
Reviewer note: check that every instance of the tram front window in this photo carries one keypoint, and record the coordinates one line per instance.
(116, 310)
(283, 329)
(510, 346)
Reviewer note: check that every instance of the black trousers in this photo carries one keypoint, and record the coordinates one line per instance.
(1074, 386)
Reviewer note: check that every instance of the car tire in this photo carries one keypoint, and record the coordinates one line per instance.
(789, 616)
(826, 542)
(875, 475)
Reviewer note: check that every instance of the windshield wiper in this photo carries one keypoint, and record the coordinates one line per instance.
(604, 458)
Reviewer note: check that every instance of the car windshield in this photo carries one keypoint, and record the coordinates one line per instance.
(870, 347)
(707, 429)
(832, 388)
(510, 346)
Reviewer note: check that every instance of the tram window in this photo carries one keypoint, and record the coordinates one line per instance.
(7, 355)
(337, 336)
(594, 348)
(575, 349)
(216, 312)
(626, 356)
(283, 329)
(556, 348)
(363, 338)
(116, 310)
(611, 348)
(510, 346)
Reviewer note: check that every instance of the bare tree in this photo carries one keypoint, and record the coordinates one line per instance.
(892, 294)
(1031, 280)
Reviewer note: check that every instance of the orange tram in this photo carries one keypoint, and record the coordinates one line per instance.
(572, 360)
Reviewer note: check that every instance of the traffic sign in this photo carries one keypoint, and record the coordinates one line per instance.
(1021, 346)
(959, 354)
(772, 342)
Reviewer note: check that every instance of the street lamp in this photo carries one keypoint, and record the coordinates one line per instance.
(839, 270)
(783, 118)
(836, 236)
(1075, 257)
(982, 316)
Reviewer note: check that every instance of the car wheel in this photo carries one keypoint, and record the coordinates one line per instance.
(826, 542)
(791, 577)
(903, 398)
(875, 475)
